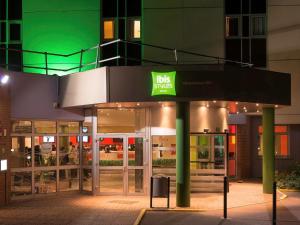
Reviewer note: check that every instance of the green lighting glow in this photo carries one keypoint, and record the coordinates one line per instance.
(163, 83)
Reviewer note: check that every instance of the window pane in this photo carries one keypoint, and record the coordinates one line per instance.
(258, 25)
(45, 150)
(68, 127)
(21, 127)
(135, 151)
(87, 128)
(134, 8)
(245, 26)
(15, 9)
(87, 179)
(21, 183)
(45, 182)
(2, 32)
(135, 181)
(109, 8)
(258, 6)
(111, 151)
(87, 153)
(233, 49)
(45, 127)
(108, 29)
(21, 152)
(281, 145)
(121, 120)
(69, 150)
(232, 26)
(69, 180)
(15, 32)
(2, 9)
(111, 181)
(136, 29)
(163, 152)
(232, 6)
(258, 52)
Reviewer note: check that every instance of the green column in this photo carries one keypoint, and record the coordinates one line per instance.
(183, 154)
(268, 150)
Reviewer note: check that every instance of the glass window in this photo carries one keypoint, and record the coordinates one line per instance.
(68, 127)
(164, 155)
(200, 146)
(135, 29)
(258, 26)
(21, 127)
(135, 151)
(232, 26)
(121, 120)
(87, 179)
(21, 152)
(111, 151)
(87, 128)
(21, 183)
(135, 181)
(108, 29)
(69, 150)
(232, 150)
(111, 180)
(45, 182)
(45, 150)
(15, 32)
(281, 141)
(45, 127)
(87, 153)
(69, 180)
(2, 32)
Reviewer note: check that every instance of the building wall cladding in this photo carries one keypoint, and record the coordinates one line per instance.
(60, 27)
(243, 151)
(5, 142)
(284, 51)
(183, 24)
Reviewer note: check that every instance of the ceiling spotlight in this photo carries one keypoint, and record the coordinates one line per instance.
(276, 106)
(257, 111)
(138, 104)
(257, 104)
(214, 101)
(237, 112)
(207, 105)
(236, 103)
(4, 79)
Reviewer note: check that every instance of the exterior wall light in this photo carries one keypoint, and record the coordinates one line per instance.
(4, 79)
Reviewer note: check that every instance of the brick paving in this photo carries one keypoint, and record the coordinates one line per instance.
(76, 209)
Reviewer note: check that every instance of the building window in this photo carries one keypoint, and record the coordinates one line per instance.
(258, 26)
(232, 151)
(232, 26)
(15, 32)
(281, 141)
(135, 29)
(108, 29)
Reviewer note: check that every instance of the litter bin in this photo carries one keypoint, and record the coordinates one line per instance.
(160, 188)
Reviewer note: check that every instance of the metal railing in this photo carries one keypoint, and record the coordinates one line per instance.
(174, 60)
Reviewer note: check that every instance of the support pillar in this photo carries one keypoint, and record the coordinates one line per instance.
(183, 154)
(268, 150)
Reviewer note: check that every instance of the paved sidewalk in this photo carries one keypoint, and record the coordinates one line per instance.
(76, 209)
(254, 214)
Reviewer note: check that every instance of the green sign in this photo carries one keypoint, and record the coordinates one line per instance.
(163, 83)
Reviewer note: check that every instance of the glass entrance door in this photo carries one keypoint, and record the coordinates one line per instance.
(121, 164)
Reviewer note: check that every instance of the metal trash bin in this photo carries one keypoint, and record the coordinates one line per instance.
(160, 188)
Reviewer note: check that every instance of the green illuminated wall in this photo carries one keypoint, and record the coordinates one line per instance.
(60, 26)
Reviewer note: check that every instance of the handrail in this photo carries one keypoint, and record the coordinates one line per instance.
(98, 62)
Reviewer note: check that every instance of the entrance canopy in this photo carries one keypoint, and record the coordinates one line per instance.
(175, 83)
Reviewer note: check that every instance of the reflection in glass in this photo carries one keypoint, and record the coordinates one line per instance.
(69, 150)
(69, 180)
(135, 181)
(87, 179)
(45, 127)
(20, 183)
(45, 182)
(111, 151)
(21, 152)
(21, 127)
(68, 127)
(45, 150)
(135, 151)
(121, 120)
(200, 147)
(111, 181)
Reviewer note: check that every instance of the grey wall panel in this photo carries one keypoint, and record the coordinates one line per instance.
(85, 88)
(33, 96)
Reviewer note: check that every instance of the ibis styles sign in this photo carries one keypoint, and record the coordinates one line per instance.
(163, 83)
